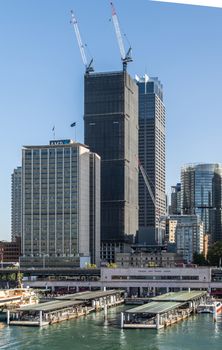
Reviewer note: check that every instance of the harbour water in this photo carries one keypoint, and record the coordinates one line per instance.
(92, 332)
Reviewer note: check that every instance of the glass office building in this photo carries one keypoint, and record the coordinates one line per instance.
(16, 203)
(151, 154)
(56, 207)
(201, 194)
(111, 130)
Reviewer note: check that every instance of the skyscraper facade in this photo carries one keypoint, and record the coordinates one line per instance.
(56, 210)
(201, 188)
(111, 130)
(189, 236)
(16, 203)
(151, 152)
(175, 207)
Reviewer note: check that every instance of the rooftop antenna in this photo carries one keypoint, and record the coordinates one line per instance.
(88, 66)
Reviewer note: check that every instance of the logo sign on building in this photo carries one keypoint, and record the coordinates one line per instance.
(60, 142)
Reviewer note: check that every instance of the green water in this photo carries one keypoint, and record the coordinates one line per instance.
(199, 332)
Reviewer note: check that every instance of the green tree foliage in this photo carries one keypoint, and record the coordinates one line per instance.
(215, 254)
(111, 266)
(199, 259)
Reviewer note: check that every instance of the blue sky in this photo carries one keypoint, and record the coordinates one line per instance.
(41, 75)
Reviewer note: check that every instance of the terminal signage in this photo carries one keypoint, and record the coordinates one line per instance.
(60, 142)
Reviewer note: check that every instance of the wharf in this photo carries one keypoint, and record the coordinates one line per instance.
(10, 298)
(163, 310)
(64, 308)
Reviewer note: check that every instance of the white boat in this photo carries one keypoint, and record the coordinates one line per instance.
(210, 307)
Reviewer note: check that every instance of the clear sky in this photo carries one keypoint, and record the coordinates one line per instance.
(41, 75)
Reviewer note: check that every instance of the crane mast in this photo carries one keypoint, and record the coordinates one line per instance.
(125, 57)
(88, 67)
(145, 178)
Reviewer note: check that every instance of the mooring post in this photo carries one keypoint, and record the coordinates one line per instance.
(157, 321)
(40, 318)
(8, 317)
(105, 311)
(122, 319)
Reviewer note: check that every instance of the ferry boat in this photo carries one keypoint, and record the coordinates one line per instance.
(210, 307)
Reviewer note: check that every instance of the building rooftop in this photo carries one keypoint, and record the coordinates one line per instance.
(57, 143)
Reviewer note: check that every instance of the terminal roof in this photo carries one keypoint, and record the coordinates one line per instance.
(50, 305)
(154, 308)
(84, 296)
(182, 296)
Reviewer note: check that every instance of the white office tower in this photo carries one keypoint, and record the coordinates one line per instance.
(59, 221)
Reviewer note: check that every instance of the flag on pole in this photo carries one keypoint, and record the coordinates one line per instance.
(73, 124)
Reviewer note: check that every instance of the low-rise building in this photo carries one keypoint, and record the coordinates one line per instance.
(148, 259)
(10, 251)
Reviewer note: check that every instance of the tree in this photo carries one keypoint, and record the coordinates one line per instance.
(199, 259)
(111, 265)
(215, 254)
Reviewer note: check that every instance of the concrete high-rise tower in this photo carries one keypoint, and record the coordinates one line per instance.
(151, 156)
(60, 204)
(111, 130)
(16, 203)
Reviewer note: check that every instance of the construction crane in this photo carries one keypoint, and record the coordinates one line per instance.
(125, 56)
(88, 67)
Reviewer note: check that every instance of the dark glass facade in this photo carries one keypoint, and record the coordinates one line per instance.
(111, 130)
(151, 150)
(201, 194)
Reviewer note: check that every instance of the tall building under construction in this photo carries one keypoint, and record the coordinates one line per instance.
(111, 130)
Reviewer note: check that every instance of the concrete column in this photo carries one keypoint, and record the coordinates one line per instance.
(104, 289)
(8, 317)
(40, 318)
(122, 319)
(77, 289)
(189, 290)
(167, 289)
(141, 291)
(154, 290)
